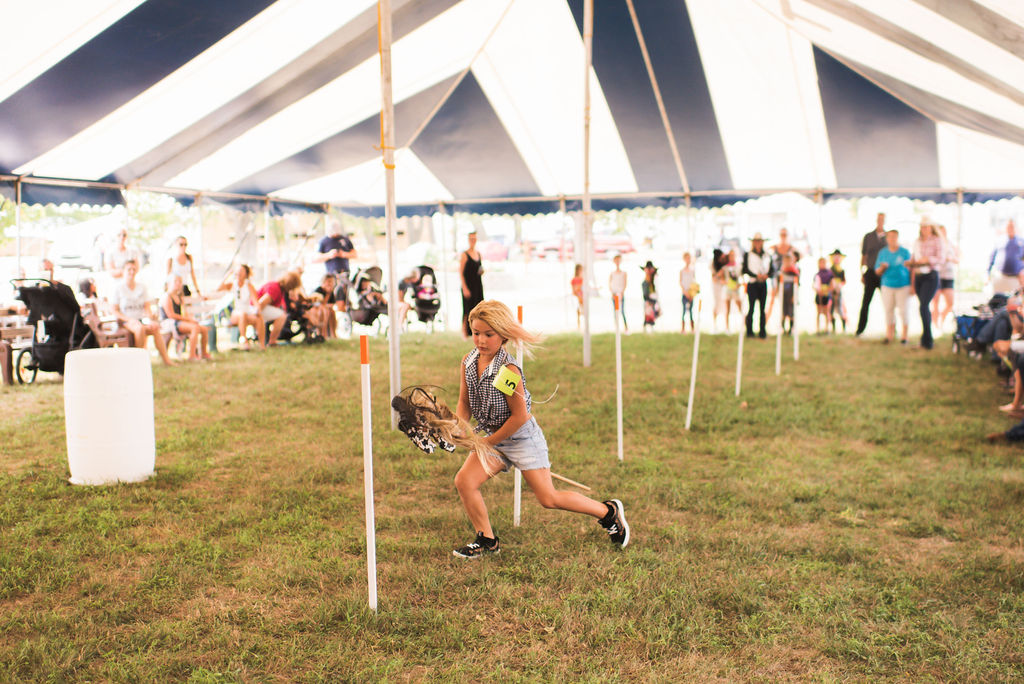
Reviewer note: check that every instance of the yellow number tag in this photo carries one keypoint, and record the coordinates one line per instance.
(506, 381)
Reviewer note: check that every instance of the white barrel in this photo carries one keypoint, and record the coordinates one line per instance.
(108, 415)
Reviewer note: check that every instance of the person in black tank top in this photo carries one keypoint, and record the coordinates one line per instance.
(471, 270)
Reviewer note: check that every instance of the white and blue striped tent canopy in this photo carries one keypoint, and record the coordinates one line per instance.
(702, 100)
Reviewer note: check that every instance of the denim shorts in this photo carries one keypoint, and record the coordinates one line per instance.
(526, 449)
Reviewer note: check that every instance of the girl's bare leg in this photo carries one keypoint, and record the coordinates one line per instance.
(158, 341)
(468, 481)
(256, 320)
(549, 497)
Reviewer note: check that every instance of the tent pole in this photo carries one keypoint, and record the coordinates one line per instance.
(959, 233)
(819, 198)
(387, 133)
(561, 258)
(588, 261)
(443, 217)
(202, 242)
(17, 224)
(690, 234)
(266, 239)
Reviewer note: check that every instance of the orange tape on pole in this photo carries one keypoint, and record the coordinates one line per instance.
(364, 351)
(617, 302)
(520, 313)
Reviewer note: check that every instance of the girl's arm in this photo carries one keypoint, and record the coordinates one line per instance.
(169, 309)
(462, 408)
(517, 404)
(462, 273)
(253, 295)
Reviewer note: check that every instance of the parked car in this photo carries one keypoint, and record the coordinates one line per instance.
(603, 246)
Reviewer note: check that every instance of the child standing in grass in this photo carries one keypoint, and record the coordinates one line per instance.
(511, 430)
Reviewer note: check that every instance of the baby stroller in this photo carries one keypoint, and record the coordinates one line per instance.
(60, 328)
(370, 303)
(426, 298)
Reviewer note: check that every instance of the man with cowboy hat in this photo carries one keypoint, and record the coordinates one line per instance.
(758, 267)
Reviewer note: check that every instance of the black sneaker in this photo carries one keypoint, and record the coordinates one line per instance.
(480, 546)
(615, 523)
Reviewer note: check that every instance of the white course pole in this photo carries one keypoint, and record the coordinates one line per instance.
(371, 533)
(693, 369)
(618, 375)
(17, 227)
(517, 479)
(739, 359)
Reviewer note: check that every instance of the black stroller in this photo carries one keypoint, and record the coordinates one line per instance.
(297, 324)
(426, 298)
(54, 312)
(368, 293)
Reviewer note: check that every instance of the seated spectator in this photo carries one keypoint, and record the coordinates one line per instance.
(87, 296)
(406, 288)
(272, 303)
(244, 311)
(133, 309)
(46, 270)
(322, 312)
(176, 319)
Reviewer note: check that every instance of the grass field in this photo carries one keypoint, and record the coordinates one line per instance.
(849, 525)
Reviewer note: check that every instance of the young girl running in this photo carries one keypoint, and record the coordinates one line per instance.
(511, 430)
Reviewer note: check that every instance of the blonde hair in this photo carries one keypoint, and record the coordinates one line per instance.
(499, 318)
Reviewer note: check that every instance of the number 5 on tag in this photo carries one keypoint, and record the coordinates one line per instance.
(506, 381)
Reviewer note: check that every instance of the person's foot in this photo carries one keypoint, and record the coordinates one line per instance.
(1011, 408)
(481, 546)
(762, 334)
(995, 436)
(614, 523)
(903, 341)
(886, 341)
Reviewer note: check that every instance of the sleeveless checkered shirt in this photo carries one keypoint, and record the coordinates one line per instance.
(486, 403)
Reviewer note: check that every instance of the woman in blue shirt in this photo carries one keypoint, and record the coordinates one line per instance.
(895, 276)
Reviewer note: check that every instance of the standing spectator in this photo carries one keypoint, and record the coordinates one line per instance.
(133, 309)
(120, 255)
(757, 266)
(244, 311)
(947, 276)
(838, 281)
(334, 251)
(788, 283)
(719, 260)
(272, 303)
(894, 277)
(652, 309)
(617, 286)
(1008, 258)
(471, 271)
(823, 294)
(688, 284)
(929, 256)
(181, 264)
(870, 247)
(577, 291)
(733, 294)
(778, 252)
